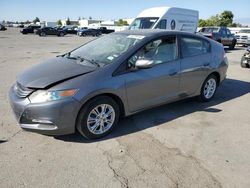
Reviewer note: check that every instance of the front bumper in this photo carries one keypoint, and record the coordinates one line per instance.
(50, 118)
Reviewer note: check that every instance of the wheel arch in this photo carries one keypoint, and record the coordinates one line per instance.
(113, 96)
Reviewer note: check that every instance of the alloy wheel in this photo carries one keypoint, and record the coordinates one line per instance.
(210, 88)
(101, 119)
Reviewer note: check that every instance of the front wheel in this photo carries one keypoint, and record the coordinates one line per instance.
(208, 88)
(98, 117)
(232, 46)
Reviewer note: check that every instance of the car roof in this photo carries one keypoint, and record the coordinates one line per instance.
(153, 32)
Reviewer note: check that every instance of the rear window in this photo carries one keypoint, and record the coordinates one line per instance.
(209, 29)
(193, 46)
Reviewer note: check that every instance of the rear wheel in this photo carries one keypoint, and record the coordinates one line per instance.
(98, 117)
(61, 34)
(43, 34)
(209, 88)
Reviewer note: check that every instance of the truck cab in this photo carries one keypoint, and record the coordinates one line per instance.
(170, 18)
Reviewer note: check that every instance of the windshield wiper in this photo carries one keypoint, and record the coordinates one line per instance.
(93, 62)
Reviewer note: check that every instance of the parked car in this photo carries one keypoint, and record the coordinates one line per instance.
(104, 30)
(50, 31)
(29, 29)
(92, 32)
(243, 37)
(245, 60)
(171, 18)
(220, 34)
(2, 27)
(71, 30)
(89, 88)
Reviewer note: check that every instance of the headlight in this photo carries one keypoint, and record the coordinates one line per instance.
(41, 96)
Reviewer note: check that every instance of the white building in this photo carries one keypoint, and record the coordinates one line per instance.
(71, 22)
(87, 22)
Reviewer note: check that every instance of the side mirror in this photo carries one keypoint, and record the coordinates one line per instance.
(144, 64)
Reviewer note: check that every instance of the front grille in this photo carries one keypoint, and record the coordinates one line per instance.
(244, 37)
(22, 91)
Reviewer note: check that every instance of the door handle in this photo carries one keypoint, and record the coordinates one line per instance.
(172, 73)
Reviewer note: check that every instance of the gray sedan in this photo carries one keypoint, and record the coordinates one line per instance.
(119, 74)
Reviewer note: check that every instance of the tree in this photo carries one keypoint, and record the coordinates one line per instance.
(79, 18)
(122, 22)
(68, 21)
(36, 20)
(90, 18)
(226, 18)
(59, 22)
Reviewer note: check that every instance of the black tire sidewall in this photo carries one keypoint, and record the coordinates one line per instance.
(81, 123)
(43, 34)
(202, 96)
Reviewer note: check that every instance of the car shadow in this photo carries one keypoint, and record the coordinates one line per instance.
(227, 50)
(230, 89)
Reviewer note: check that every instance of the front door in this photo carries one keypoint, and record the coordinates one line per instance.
(158, 84)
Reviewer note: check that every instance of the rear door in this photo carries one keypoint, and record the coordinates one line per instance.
(195, 63)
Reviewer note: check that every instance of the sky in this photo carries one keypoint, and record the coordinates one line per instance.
(53, 10)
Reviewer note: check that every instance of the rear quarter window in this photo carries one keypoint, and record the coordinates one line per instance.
(194, 46)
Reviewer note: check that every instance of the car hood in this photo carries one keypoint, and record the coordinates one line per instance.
(51, 72)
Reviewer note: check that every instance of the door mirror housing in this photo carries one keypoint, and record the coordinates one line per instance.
(144, 64)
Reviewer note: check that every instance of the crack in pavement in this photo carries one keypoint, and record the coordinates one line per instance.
(190, 157)
(148, 162)
(121, 179)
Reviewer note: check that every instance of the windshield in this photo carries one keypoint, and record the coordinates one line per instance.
(143, 23)
(244, 31)
(209, 29)
(106, 49)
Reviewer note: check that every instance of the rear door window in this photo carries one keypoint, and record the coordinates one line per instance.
(193, 46)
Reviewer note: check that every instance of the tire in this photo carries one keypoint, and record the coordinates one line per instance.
(243, 65)
(211, 83)
(61, 34)
(90, 125)
(232, 46)
(43, 34)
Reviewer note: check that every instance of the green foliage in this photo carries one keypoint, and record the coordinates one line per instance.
(36, 20)
(68, 21)
(122, 22)
(59, 22)
(224, 19)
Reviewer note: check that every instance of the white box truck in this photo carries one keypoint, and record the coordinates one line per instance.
(170, 18)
